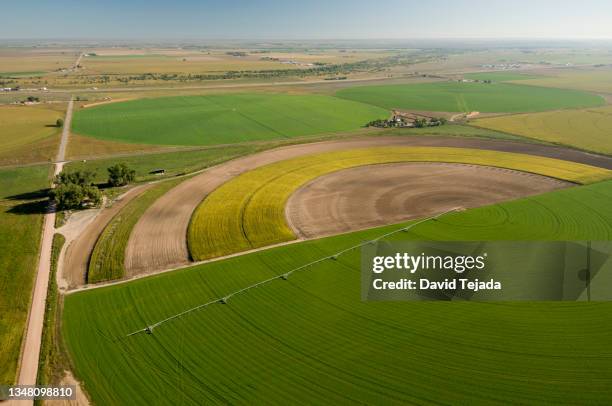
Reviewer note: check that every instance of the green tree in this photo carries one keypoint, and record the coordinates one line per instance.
(69, 196)
(92, 196)
(75, 190)
(420, 123)
(120, 175)
(81, 178)
(59, 122)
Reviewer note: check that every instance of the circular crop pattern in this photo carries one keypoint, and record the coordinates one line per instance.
(375, 195)
(249, 211)
(314, 329)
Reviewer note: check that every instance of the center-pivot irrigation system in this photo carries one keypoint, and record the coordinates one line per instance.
(225, 299)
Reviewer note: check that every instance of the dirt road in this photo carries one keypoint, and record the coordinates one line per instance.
(377, 195)
(78, 61)
(28, 367)
(61, 154)
(158, 240)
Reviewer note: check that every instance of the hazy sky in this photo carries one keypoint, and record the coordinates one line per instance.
(315, 19)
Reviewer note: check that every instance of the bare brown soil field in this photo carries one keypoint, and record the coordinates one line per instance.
(76, 258)
(100, 103)
(81, 397)
(158, 240)
(84, 147)
(376, 195)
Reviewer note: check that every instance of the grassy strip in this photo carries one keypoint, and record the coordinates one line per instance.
(453, 130)
(174, 163)
(311, 337)
(108, 257)
(53, 359)
(248, 211)
(20, 228)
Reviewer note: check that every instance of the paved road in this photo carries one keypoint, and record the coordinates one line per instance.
(28, 367)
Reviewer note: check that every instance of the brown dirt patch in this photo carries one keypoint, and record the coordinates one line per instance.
(81, 398)
(376, 195)
(84, 147)
(100, 103)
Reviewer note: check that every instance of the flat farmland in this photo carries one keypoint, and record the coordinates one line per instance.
(160, 61)
(588, 129)
(183, 64)
(593, 80)
(314, 329)
(17, 62)
(470, 61)
(222, 119)
(467, 97)
(29, 133)
(249, 211)
(20, 227)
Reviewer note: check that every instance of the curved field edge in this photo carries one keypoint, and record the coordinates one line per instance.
(108, 256)
(248, 211)
(312, 338)
(467, 97)
(583, 129)
(223, 118)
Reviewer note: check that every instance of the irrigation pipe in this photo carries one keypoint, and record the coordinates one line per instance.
(224, 300)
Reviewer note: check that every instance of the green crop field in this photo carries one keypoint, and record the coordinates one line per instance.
(108, 257)
(588, 129)
(312, 338)
(467, 97)
(249, 211)
(20, 227)
(222, 119)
